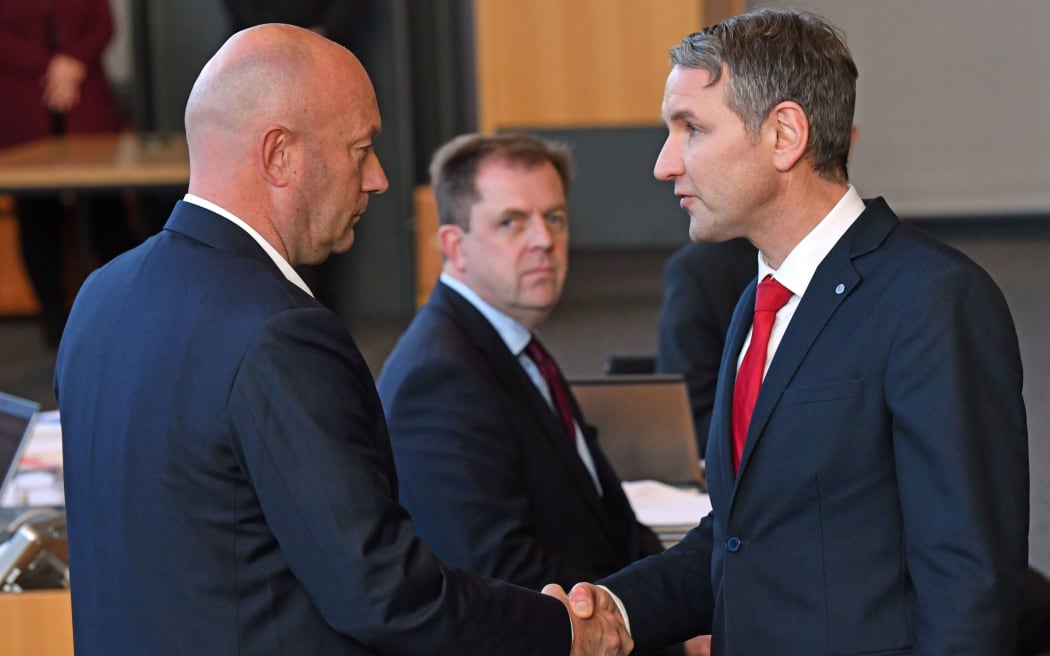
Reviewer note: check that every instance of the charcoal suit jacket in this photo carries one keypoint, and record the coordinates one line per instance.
(493, 483)
(702, 284)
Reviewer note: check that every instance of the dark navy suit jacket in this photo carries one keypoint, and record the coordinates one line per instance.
(882, 501)
(229, 478)
(493, 483)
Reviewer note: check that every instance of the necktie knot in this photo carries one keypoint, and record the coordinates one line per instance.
(771, 296)
(538, 354)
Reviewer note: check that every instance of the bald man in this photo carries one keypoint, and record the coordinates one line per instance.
(229, 480)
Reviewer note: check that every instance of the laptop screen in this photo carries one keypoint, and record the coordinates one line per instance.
(16, 420)
(645, 426)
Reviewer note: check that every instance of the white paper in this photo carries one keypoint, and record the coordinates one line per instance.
(660, 505)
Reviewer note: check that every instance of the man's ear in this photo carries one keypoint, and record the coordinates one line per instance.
(450, 237)
(276, 161)
(792, 134)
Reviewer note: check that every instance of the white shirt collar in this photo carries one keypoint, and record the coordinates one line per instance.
(798, 267)
(282, 264)
(513, 334)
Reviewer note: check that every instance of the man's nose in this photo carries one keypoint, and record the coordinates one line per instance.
(669, 161)
(374, 178)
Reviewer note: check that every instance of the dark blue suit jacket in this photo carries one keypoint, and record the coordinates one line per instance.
(229, 479)
(882, 501)
(491, 480)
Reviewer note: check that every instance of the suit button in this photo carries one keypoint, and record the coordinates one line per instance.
(733, 544)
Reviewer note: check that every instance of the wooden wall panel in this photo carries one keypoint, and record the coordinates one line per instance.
(584, 63)
(16, 294)
(36, 623)
(716, 11)
(428, 251)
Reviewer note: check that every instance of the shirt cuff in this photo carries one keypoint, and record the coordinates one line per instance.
(619, 605)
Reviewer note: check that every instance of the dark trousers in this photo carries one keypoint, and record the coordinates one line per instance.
(44, 224)
(1034, 636)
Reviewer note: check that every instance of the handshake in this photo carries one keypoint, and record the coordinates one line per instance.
(597, 625)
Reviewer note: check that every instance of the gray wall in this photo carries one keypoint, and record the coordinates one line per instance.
(615, 202)
(953, 101)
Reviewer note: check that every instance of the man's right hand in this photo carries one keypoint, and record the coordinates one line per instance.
(597, 627)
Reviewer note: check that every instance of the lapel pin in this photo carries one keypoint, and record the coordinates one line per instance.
(840, 288)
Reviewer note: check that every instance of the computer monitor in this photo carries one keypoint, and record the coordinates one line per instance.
(16, 421)
(645, 426)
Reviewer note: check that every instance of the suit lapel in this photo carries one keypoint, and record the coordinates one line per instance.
(502, 362)
(719, 447)
(505, 366)
(833, 282)
(209, 228)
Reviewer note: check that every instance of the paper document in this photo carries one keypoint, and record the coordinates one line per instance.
(39, 478)
(658, 505)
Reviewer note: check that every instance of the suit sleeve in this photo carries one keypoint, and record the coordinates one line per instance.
(460, 466)
(668, 597)
(960, 442)
(312, 439)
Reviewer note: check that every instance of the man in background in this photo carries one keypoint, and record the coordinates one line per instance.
(702, 283)
(498, 468)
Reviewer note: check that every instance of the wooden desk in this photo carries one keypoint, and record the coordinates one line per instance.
(36, 623)
(84, 163)
(97, 161)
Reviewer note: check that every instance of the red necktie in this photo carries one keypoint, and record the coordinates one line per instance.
(769, 298)
(555, 384)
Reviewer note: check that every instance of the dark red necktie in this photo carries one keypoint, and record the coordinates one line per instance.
(769, 298)
(555, 384)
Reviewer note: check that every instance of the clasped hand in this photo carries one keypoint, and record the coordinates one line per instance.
(597, 625)
(62, 83)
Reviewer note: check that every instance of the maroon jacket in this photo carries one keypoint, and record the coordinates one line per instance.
(82, 29)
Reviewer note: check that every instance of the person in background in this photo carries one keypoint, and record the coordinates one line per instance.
(868, 459)
(702, 283)
(53, 84)
(497, 479)
(334, 19)
(229, 482)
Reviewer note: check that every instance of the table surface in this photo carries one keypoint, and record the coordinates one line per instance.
(97, 161)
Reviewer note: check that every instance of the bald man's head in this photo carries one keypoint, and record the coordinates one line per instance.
(265, 74)
(279, 125)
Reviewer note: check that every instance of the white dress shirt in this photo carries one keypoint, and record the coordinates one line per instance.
(281, 263)
(798, 267)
